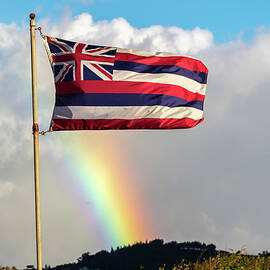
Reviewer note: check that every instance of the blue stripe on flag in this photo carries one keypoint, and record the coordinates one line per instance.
(105, 99)
(200, 77)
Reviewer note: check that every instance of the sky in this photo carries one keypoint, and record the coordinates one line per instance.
(103, 189)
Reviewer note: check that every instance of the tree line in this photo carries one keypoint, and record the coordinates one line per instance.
(143, 255)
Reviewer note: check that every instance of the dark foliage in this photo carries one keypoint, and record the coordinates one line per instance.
(150, 255)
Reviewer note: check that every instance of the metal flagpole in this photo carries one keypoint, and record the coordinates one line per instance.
(35, 140)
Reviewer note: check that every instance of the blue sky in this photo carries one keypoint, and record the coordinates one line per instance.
(208, 183)
(225, 19)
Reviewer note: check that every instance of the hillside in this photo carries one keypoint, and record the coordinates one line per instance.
(150, 255)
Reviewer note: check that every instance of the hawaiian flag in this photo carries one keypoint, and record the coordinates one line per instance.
(101, 87)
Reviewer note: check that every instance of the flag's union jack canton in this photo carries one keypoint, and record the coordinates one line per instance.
(100, 87)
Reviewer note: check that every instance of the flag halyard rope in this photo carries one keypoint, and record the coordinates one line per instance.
(40, 32)
(44, 132)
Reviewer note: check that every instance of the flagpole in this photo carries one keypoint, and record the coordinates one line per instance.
(35, 140)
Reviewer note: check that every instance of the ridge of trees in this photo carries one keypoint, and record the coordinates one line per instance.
(144, 256)
(148, 256)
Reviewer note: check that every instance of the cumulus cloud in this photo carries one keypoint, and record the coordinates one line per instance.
(119, 32)
(207, 184)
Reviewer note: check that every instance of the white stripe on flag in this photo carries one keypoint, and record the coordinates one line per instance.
(125, 112)
(166, 78)
(149, 53)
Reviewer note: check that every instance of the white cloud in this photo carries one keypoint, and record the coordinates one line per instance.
(119, 32)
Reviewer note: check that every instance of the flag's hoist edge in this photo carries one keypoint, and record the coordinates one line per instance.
(144, 90)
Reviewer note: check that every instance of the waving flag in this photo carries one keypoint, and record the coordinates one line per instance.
(100, 87)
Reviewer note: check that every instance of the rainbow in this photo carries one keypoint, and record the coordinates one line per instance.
(106, 182)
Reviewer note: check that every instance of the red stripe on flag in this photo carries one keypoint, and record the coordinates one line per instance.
(81, 56)
(181, 61)
(92, 86)
(105, 124)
